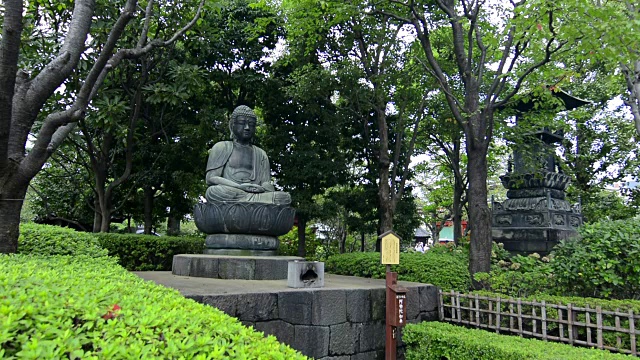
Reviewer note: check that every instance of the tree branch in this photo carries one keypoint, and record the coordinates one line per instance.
(412, 143)
(105, 62)
(38, 90)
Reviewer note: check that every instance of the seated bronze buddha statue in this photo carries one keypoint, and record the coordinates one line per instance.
(238, 170)
(243, 211)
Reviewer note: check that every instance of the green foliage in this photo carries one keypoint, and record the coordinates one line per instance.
(497, 251)
(64, 171)
(519, 276)
(434, 340)
(148, 252)
(303, 136)
(603, 262)
(606, 205)
(289, 243)
(442, 266)
(38, 239)
(82, 307)
(135, 252)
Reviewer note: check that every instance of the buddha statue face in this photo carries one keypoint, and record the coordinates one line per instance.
(243, 124)
(244, 127)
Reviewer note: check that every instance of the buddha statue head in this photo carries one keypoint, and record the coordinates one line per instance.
(242, 124)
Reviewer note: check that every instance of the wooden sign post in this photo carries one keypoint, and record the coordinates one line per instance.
(396, 312)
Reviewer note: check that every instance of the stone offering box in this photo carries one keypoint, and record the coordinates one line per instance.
(305, 274)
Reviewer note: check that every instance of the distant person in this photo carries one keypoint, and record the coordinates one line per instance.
(420, 247)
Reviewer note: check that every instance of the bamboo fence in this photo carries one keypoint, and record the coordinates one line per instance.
(582, 326)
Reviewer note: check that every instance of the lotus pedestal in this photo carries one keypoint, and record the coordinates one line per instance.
(243, 228)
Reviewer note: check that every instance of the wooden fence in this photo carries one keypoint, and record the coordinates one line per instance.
(603, 329)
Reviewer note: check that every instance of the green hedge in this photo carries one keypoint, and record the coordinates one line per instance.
(39, 239)
(520, 276)
(604, 262)
(434, 340)
(135, 252)
(91, 308)
(443, 267)
(148, 252)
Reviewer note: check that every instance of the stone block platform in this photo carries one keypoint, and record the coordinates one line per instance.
(232, 267)
(342, 320)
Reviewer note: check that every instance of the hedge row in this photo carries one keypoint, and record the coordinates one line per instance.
(90, 308)
(444, 267)
(148, 252)
(38, 239)
(435, 340)
(134, 252)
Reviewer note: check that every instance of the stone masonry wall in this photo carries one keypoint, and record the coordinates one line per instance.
(344, 324)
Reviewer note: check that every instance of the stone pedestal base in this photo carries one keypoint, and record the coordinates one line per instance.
(343, 320)
(533, 225)
(240, 252)
(232, 267)
(241, 242)
(530, 240)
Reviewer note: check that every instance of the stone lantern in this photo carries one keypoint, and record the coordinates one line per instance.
(536, 215)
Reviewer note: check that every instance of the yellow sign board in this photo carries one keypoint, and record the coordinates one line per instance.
(390, 248)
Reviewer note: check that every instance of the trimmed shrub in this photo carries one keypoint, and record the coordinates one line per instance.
(39, 239)
(82, 307)
(148, 252)
(445, 267)
(603, 262)
(434, 340)
(520, 276)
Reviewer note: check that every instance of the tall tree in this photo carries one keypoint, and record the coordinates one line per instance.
(368, 55)
(490, 70)
(25, 90)
(303, 136)
(607, 31)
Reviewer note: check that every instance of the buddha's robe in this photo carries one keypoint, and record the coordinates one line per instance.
(219, 157)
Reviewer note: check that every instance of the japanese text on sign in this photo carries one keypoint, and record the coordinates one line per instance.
(390, 248)
(400, 299)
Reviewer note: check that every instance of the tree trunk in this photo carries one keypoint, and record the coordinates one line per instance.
(435, 232)
(343, 241)
(105, 223)
(457, 211)
(362, 241)
(479, 213)
(302, 225)
(378, 240)
(384, 188)
(102, 220)
(148, 209)
(633, 86)
(10, 206)
(582, 178)
(97, 216)
(173, 225)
